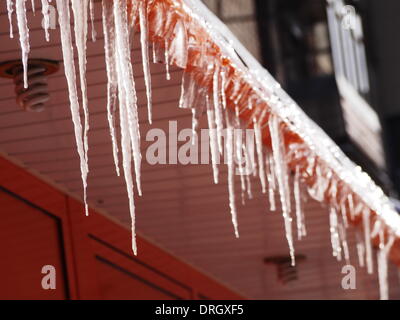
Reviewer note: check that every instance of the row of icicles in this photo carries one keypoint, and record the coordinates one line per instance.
(271, 166)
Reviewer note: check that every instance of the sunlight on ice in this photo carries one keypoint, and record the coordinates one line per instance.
(112, 81)
(80, 11)
(69, 68)
(145, 55)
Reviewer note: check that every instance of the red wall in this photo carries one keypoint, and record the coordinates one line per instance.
(39, 225)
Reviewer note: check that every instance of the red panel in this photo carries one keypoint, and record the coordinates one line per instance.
(93, 253)
(118, 283)
(29, 240)
(161, 284)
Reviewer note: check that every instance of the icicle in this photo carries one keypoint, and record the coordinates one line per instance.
(80, 9)
(223, 96)
(69, 68)
(344, 215)
(217, 108)
(301, 230)
(112, 85)
(153, 49)
(178, 47)
(335, 240)
(250, 149)
(126, 148)
(343, 239)
(248, 182)
(382, 257)
(260, 157)
(46, 18)
(126, 80)
(376, 229)
(94, 33)
(351, 206)
(145, 55)
(133, 121)
(166, 57)
(237, 111)
(360, 249)
(231, 175)
(282, 178)
(182, 98)
(195, 125)
(310, 165)
(20, 9)
(367, 239)
(248, 187)
(188, 92)
(130, 136)
(321, 182)
(33, 6)
(213, 139)
(250, 103)
(271, 181)
(10, 10)
(239, 157)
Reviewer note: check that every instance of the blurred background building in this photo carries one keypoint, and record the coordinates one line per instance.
(337, 59)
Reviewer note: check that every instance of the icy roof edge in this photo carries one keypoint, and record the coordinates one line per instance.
(288, 110)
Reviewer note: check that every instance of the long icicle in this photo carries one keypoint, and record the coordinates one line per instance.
(127, 101)
(126, 148)
(124, 58)
(20, 9)
(145, 55)
(10, 10)
(282, 178)
(80, 11)
(231, 174)
(301, 230)
(69, 67)
(112, 84)
(46, 18)
(271, 181)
